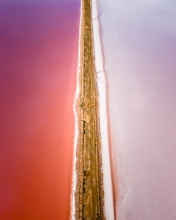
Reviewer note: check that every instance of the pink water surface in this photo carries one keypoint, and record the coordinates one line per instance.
(38, 62)
(139, 45)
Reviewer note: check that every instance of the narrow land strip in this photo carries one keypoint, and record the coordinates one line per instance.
(89, 187)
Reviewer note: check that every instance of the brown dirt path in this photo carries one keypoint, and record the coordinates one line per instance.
(89, 186)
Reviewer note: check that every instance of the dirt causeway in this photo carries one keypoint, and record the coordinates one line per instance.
(89, 186)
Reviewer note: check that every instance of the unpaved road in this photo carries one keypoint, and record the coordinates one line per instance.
(89, 186)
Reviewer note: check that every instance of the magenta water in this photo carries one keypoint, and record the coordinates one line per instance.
(139, 46)
(38, 65)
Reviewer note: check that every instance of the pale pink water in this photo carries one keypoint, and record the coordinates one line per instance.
(139, 44)
(38, 64)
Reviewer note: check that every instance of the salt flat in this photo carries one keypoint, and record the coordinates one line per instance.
(139, 48)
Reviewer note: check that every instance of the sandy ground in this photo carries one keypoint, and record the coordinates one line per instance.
(89, 202)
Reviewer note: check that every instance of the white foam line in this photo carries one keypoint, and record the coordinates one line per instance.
(76, 123)
(101, 83)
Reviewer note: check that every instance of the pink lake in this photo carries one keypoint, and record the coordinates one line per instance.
(38, 64)
(139, 48)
